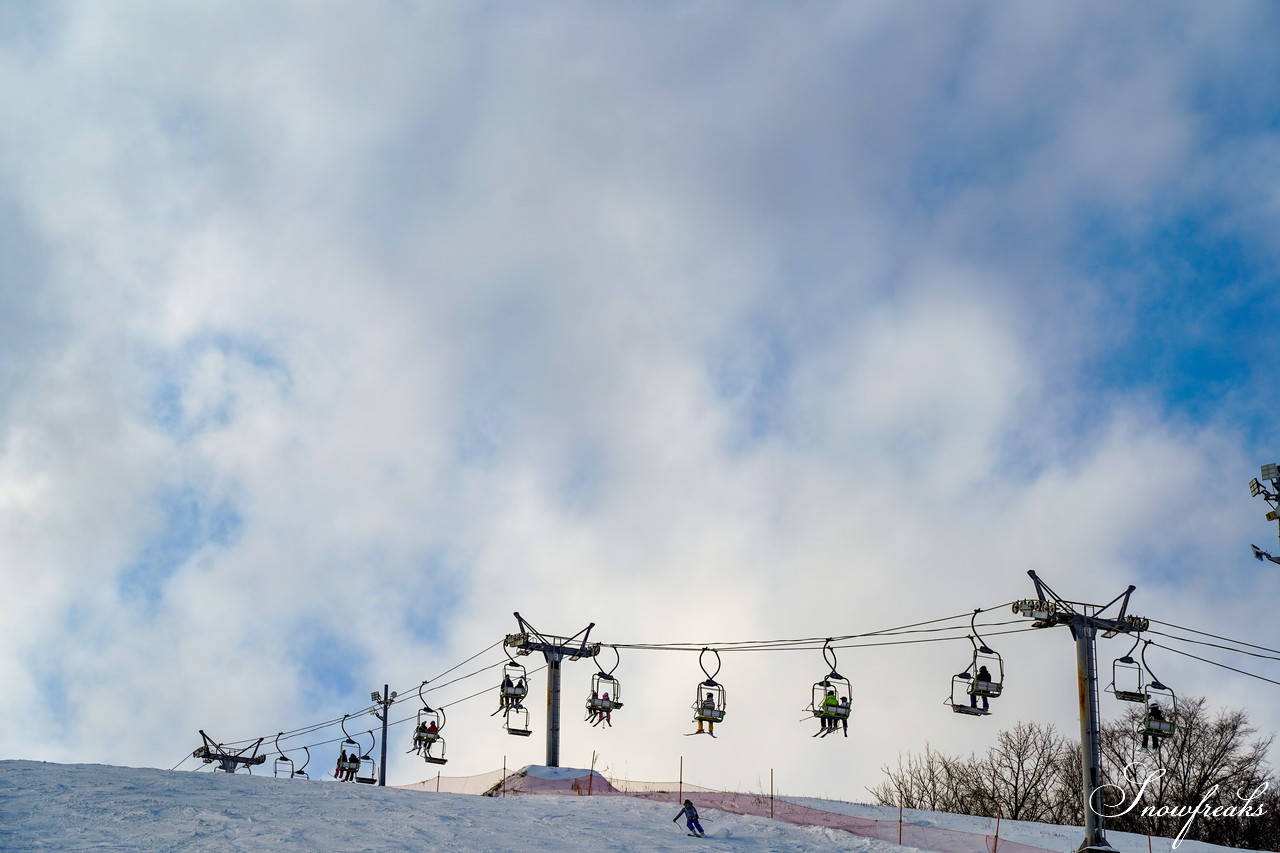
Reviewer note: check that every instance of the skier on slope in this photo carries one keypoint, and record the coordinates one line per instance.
(690, 814)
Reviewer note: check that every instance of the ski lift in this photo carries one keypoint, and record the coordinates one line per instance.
(516, 721)
(348, 757)
(984, 679)
(367, 771)
(426, 734)
(606, 694)
(515, 684)
(709, 700)
(284, 766)
(1161, 718)
(832, 696)
(1126, 677)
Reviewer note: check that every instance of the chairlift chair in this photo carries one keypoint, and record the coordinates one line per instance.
(606, 694)
(833, 684)
(348, 764)
(515, 685)
(283, 764)
(348, 760)
(1126, 678)
(970, 683)
(367, 770)
(709, 699)
(1161, 717)
(961, 688)
(301, 772)
(516, 721)
(426, 734)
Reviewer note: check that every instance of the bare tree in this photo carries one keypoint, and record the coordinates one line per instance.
(930, 782)
(1016, 776)
(1033, 773)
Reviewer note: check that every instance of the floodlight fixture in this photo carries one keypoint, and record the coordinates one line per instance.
(375, 696)
(1255, 488)
(1271, 472)
(1273, 516)
(1260, 555)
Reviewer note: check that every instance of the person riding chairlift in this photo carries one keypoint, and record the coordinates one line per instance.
(1157, 716)
(707, 711)
(827, 712)
(983, 676)
(604, 715)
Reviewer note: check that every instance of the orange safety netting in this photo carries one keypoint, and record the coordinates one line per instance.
(587, 783)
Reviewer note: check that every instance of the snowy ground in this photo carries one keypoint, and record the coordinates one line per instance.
(92, 807)
(1059, 838)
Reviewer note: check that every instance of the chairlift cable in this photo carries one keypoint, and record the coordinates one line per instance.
(1215, 663)
(314, 727)
(1214, 645)
(814, 642)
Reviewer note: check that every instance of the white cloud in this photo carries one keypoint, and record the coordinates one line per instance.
(656, 320)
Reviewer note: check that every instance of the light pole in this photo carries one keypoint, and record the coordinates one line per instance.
(1084, 620)
(384, 704)
(1272, 497)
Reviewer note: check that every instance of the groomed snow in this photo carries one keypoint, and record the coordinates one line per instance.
(93, 807)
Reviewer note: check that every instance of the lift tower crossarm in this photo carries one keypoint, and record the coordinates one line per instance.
(1085, 620)
(554, 649)
(228, 759)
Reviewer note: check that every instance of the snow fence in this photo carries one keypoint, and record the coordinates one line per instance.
(558, 780)
(907, 834)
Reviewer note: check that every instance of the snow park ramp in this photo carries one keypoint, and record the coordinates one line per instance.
(537, 779)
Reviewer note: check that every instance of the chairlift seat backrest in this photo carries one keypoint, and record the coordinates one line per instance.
(986, 688)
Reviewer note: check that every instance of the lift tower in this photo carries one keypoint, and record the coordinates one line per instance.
(554, 650)
(1049, 609)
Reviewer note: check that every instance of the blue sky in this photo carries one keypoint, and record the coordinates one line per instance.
(332, 335)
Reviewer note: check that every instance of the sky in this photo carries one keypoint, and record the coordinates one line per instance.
(331, 335)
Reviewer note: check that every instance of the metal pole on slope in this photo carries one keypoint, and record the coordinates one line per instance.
(1090, 754)
(385, 699)
(553, 708)
(382, 765)
(1048, 609)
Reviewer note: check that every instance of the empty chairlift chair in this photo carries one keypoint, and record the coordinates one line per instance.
(1126, 678)
(283, 767)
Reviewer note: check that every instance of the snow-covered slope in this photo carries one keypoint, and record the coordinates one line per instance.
(93, 807)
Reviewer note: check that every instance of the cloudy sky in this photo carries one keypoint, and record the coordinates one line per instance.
(333, 333)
